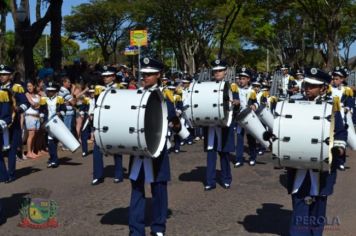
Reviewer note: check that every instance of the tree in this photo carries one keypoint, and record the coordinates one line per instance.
(4, 9)
(105, 22)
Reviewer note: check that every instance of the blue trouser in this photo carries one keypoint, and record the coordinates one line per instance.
(3, 171)
(308, 219)
(177, 141)
(16, 139)
(199, 132)
(226, 177)
(85, 134)
(98, 164)
(52, 149)
(251, 141)
(138, 203)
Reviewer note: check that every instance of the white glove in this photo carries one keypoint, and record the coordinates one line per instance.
(3, 124)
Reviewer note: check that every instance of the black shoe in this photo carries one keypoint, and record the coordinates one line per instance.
(208, 187)
(10, 179)
(157, 234)
(84, 154)
(97, 181)
(116, 181)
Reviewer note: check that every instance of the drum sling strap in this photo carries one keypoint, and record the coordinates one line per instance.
(332, 127)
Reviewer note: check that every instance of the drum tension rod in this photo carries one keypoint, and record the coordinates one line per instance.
(104, 129)
(133, 130)
(133, 107)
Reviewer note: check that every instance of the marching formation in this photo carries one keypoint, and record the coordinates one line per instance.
(161, 114)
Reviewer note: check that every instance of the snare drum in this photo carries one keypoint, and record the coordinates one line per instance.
(131, 122)
(302, 129)
(209, 103)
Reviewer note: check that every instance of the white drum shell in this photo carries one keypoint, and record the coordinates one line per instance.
(206, 105)
(301, 128)
(57, 129)
(131, 122)
(252, 124)
(266, 117)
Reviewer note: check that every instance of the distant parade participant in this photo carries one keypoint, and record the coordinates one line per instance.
(66, 92)
(88, 120)
(20, 103)
(50, 106)
(183, 93)
(287, 82)
(220, 139)
(248, 99)
(309, 189)
(6, 113)
(109, 75)
(155, 171)
(299, 82)
(82, 106)
(337, 89)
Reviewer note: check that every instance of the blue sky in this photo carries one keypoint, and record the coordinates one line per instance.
(66, 10)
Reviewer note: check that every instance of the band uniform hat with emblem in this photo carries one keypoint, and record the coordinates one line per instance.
(5, 70)
(299, 72)
(91, 89)
(284, 67)
(149, 65)
(256, 83)
(316, 76)
(108, 70)
(244, 72)
(51, 86)
(219, 65)
(338, 71)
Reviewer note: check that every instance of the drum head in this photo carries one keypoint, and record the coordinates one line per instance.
(155, 123)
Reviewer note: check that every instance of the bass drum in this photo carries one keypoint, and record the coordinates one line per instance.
(208, 103)
(131, 122)
(302, 129)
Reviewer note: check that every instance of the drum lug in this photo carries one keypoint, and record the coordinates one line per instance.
(286, 139)
(106, 107)
(288, 116)
(314, 159)
(215, 105)
(327, 140)
(113, 91)
(316, 118)
(195, 105)
(139, 91)
(314, 141)
(133, 130)
(215, 90)
(286, 157)
(121, 146)
(196, 91)
(108, 146)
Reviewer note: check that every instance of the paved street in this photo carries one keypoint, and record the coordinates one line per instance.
(256, 204)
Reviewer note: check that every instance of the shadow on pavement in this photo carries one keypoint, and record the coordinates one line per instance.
(26, 171)
(11, 206)
(196, 175)
(109, 172)
(66, 161)
(283, 179)
(270, 219)
(120, 216)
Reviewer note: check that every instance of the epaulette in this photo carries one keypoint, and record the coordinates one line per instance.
(234, 88)
(177, 98)
(4, 96)
(265, 94)
(273, 99)
(179, 90)
(60, 100)
(86, 100)
(336, 104)
(98, 90)
(17, 88)
(348, 92)
(291, 78)
(329, 91)
(43, 101)
(253, 95)
(119, 86)
(168, 94)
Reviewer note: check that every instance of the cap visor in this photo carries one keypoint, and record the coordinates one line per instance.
(312, 81)
(219, 68)
(149, 70)
(338, 73)
(5, 72)
(107, 73)
(244, 74)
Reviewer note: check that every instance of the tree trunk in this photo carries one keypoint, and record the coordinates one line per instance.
(55, 42)
(2, 38)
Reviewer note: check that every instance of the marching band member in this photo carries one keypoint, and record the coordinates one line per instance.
(5, 121)
(220, 139)
(88, 114)
(109, 76)
(309, 189)
(345, 94)
(287, 81)
(248, 98)
(20, 103)
(148, 170)
(52, 105)
(83, 104)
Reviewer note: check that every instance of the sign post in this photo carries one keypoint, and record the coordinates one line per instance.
(138, 38)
